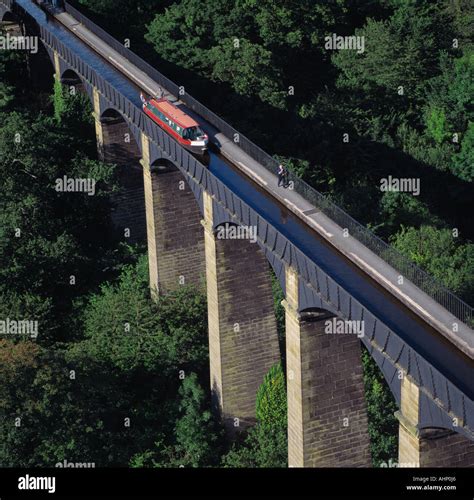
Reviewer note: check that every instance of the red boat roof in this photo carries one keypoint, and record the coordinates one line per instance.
(173, 112)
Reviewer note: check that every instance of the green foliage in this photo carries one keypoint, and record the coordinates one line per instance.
(126, 329)
(195, 428)
(247, 68)
(265, 444)
(450, 92)
(436, 125)
(75, 409)
(461, 15)
(6, 95)
(47, 235)
(12, 76)
(271, 406)
(186, 30)
(297, 26)
(132, 14)
(245, 44)
(463, 162)
(58, 100)
(400, 51)
(196, 438)
(442, 255)
(74, 110)
(397, 208)
(211, 38)
(262, 447)
(28, 306)
(381, 406)
(117, 375)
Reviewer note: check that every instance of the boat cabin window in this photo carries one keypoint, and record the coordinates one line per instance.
(192, 133)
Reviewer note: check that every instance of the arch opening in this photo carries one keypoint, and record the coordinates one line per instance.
(313, 314)
(120, 148)
(111, 117)
(119, 144)
(9, 19)
(71, 79)
(163, 166)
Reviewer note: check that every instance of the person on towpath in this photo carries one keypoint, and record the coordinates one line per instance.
(281, 175)
(285, 177)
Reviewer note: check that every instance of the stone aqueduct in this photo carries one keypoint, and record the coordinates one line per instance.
(327, 414)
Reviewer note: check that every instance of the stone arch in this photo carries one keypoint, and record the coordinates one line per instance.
(174, 230)
(7, 16)
(313, 314)
(243, 340)
(120, 147)
(164, 166)
(164, 163)
(70, 79)
(327, 411)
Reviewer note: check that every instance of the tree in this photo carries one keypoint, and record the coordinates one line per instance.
(449, 93)
(443, 255)
(261, 448)
(463, 161)
(49, 238)
(195, 429)
(58, 100)
(133, 16)
(187, 30)
(106, 397)
(125, 328)
(248, 68)
(297, 26)
(436, 125)
(6, 95)
(401, 51)
(271, 406)
(12, 76)
(381, 406)
(28, 307)
(265, 444)
(397, 208)
(75, 408)
(195, 441)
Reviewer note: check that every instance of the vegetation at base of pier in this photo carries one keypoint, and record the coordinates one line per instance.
(115, 378)
(381, 406)
(265, 444)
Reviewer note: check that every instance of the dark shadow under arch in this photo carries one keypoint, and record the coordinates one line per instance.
(8, 17)
(163, 166)
(119, 143)
(71, 79)
(313, 314)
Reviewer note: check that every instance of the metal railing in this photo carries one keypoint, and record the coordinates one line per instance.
(405, 266)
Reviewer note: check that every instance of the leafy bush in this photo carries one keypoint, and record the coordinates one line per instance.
(271, 404)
